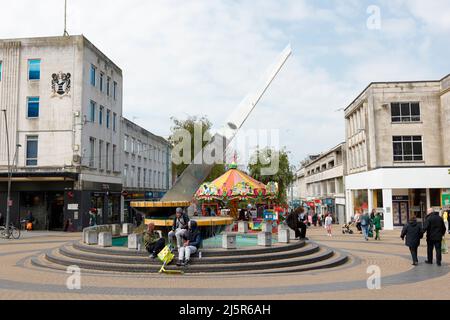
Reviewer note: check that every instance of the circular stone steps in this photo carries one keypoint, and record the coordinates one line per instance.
(280, 258)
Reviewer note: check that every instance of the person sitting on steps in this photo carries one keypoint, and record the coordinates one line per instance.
(192, 242)
(179, 228)
(153, 242)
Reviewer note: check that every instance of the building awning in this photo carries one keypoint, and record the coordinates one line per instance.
(39, 176)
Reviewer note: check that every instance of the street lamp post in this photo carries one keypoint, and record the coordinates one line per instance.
(8, 197)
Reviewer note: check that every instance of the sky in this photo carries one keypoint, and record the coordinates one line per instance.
(202, 57)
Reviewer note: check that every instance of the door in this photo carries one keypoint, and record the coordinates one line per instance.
(400, 213)
(56, 219)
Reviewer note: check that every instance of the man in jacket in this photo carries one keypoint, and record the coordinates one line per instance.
(435, 228)
(413, 233)
(153, 242)
(192, 242)
(179, 227)
(292, 220)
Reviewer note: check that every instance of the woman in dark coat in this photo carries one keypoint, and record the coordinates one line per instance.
(413, 233)
(293, 223)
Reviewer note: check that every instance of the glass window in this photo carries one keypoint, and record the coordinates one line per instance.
(100, 115)
(92, 111)
(93, 74)
(408, 148)
(101, 81)
(405, 112)
(108, 85)
(34, 69)
(100, 154)
(114, 121)
(1, 70)
(114, 158)
(107, 156)
(32, 150)
(115, 90)
(108, 116)
(33, 107)
(91, 152)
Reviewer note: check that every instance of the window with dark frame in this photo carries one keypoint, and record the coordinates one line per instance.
(405, 112)
(32, 151)
(407, 148)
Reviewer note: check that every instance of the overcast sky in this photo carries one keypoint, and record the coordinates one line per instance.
(202, 57)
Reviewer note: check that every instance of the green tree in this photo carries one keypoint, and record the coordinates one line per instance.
(284, 175)
(189, 125)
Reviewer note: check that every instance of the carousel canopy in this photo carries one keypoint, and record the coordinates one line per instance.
(236, 185)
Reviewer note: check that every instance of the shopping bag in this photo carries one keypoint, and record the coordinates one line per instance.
(444, 246)
(166, 256)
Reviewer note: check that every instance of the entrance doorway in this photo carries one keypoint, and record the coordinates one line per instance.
(401, 212)
(56, 211)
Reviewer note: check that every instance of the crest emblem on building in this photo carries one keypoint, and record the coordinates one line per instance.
(61, 84)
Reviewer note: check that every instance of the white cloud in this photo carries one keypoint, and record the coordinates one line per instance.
(203, 56)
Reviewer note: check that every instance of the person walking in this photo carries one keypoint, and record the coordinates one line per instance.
(314, 219)
(301, 223)
(358, 221)
(92, 217)
(413, 233)
(365, 224)
(435, 228)
(179, 227)
(377, 224)
(329, 224)
(192, 242)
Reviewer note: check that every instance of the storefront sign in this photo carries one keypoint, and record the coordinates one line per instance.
(72, 206)
(400, 198)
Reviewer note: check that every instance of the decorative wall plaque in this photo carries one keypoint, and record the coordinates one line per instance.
(61, 84)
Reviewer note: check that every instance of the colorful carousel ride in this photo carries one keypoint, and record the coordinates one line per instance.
(235, 189)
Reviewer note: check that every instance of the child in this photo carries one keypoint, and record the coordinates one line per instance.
(413, 233)
(328, 224)
(377, 224)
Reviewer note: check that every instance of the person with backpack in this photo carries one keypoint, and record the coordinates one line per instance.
(365, 225)
(413, 233)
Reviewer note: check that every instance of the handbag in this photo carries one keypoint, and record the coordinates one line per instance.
(444, 246)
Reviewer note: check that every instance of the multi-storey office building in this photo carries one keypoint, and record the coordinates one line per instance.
(63, 101)
(324, 180)
(397, 145)
(146, 165)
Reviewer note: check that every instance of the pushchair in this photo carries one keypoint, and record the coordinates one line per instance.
(347, 228)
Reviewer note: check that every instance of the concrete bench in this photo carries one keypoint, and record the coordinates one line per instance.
(267, 227)
(127, 228)
(90, 237)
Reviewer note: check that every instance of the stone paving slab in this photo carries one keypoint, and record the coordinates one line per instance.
(20, 280)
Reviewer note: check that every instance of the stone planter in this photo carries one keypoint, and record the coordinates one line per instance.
(243, 227)
(229, 241)
(267, 227)
(116, 229)
(283, 236)
(105, 239)
(127, 228)
(265, 239)
(134, 241)
(91, 237)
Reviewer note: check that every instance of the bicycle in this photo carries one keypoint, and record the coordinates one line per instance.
(13, 231)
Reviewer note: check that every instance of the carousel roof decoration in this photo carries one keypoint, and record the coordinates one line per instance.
(236, 185)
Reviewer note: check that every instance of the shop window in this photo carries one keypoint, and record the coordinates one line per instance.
(435, 197)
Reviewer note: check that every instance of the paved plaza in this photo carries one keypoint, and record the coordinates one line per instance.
(19, 279)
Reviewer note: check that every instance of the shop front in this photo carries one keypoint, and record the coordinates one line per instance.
(130, 196)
